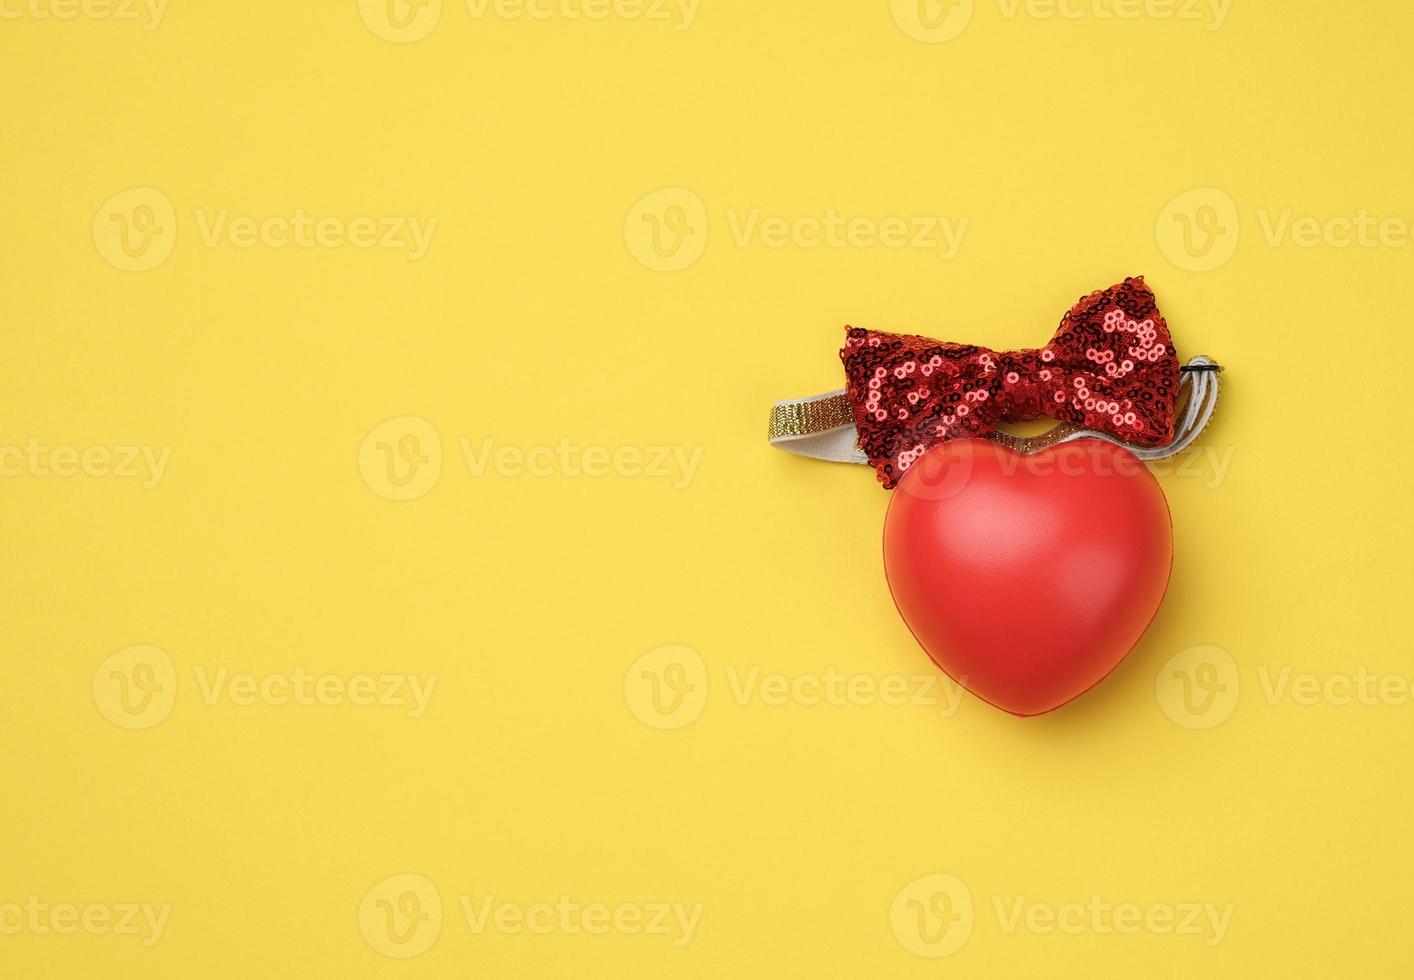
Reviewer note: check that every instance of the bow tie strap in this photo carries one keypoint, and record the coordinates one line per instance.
(822, 427)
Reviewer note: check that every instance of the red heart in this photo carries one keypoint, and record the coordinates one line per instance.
(1027, 579)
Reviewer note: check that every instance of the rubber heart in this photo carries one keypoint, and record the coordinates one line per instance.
(1028, 579)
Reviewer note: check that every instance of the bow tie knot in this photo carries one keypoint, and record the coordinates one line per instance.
(1021, 394)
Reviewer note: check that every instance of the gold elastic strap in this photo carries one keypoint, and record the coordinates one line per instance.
(811, 416)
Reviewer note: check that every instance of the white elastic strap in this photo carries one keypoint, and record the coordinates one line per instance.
(1201, 380)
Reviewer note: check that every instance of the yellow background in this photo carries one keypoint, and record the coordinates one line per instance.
(534, 318)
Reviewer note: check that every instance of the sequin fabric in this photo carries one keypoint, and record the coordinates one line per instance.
(1110, 367)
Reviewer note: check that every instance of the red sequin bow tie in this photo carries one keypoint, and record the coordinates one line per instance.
(1111, 368)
